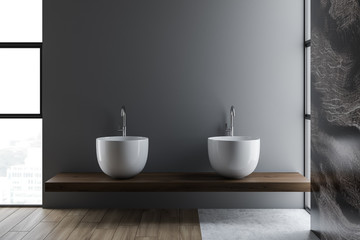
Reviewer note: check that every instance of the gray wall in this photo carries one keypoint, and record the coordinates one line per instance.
(178, 66)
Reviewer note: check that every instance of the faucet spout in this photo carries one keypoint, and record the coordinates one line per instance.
(123, 115)
(229, 131)
(232, 115)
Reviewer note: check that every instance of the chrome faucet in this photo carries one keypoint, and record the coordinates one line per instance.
(230, 131)
(123, 115)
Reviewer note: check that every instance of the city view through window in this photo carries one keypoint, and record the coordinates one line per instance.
(21, 161)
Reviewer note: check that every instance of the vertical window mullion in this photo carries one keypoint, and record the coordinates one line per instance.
(307, 95)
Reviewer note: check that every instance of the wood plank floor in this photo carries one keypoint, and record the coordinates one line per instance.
(138, 224)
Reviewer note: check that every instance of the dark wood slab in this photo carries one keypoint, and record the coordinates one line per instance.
(178, 182)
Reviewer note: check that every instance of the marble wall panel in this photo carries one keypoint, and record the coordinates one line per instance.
(335, 113)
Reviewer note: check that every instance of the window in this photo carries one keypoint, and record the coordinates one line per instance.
(20, 102)
(21, 21)
(20, 80)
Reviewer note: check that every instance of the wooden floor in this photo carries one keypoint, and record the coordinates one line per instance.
(78, 224)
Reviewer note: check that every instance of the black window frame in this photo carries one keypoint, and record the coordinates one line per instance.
(307, 115)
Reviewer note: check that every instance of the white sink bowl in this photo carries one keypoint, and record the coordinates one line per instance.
(122, 157)
(234, 156)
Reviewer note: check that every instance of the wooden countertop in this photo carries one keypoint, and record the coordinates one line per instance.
(179, 182)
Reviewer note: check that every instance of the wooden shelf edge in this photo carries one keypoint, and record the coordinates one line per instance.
(178, 182)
